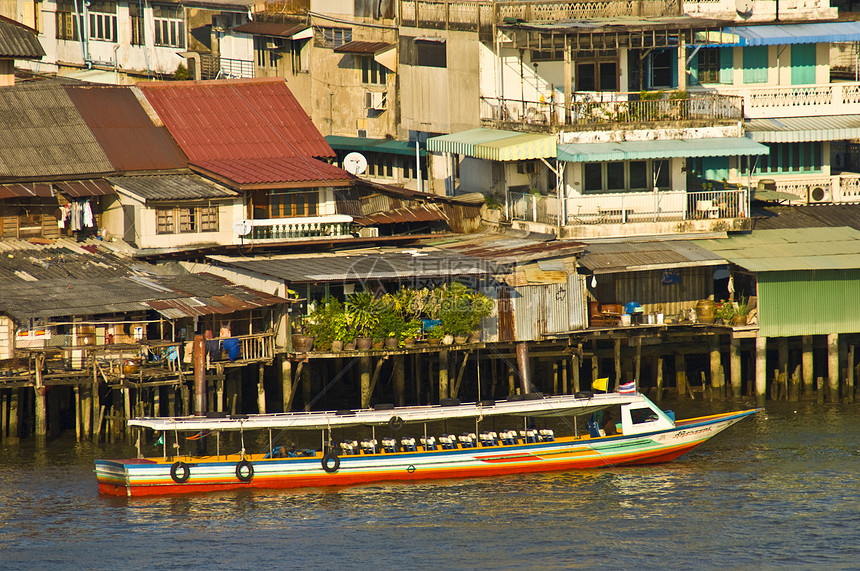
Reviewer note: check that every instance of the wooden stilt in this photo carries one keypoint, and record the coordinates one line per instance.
(658, 377)
(364, 370)
(524, 368)
(782, 355)
(126, 407)
(681, 374)
(849, 377)
(261, 388)
(794, 389)
(808, 365)
(443, 374)
(735, 367)
(564, 383)
(399, 375)
(716, 367)
(575, 363)
(455, 390)
(637, 368)
(39, 391)
(760, 369)
(555, 377)
(512, 390)
(307, 393)
(617, 354)
(833, 367)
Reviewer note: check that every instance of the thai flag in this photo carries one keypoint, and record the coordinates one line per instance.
(627, 388)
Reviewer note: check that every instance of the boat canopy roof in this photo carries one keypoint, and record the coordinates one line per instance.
(545, 406)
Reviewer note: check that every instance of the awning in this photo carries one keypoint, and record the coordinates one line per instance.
(358, 47)
(84, 188)
(271, 29)
(773, 195)
(662, 149)
(26, 190)
(824, 32)
(365, 144)
(803, 129)
(495, 145)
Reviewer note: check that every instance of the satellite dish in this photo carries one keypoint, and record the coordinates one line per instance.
(355, 163)
(744, 7)
(242, 227)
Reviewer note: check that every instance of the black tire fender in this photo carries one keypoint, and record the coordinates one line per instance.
(330, 462)
(395, 423)
(180, 472)
(244, 471)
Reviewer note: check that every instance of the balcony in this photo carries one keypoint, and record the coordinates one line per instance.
(797, 100)
(610, 110)
(335, 226)
(841, 188)
(631, 207)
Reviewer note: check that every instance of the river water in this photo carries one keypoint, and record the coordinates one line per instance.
(779, 490)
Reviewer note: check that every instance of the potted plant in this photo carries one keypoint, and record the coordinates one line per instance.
(389, 323)
(361, 310)
(411, 331)
(321, 323)
(435, 335)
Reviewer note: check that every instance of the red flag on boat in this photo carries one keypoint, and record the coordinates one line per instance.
(627, 388)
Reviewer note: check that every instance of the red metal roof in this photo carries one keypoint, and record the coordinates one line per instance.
(235, 119)
(122, 128)
(81, 188)
(274, 171)
(26, 189)
(357, 47)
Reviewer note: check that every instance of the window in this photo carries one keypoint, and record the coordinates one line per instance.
(643, 415)
(713, 65)
(802, 64)
(299, 55)
(597, 71)
(663, 66)
(169, 26)
(371, 72)
(187, 219)
(548, 49)
(755, 64)
(431, 53)
(102, 21)
(137, 35)
(284, 203)
(788, 158)
(380, 165)
(67, 25)
(625, 176)
(336, 37)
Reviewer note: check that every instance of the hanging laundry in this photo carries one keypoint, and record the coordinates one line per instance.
(89, 221)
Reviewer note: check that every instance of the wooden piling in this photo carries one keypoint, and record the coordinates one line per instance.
(808, 366)
(760, 370)
(306, 385)
(794, 389)
(524, 368)
(849, 377)
(261, 388)
(617, 354)
(443, 374)
(716, 367)
(833, 367)
(564, 381)
(658, 377)
(681, 374)
(575, 363)
(364, 371)
(399, 375)
(637, 366)
(39, 391)
(735, 367)
(199, 355)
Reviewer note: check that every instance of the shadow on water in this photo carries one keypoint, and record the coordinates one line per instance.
(779, 489)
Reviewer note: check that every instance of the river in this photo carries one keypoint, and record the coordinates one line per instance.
(779, 490)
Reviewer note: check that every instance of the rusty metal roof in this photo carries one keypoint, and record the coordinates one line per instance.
(359, 47)
(609, 258)
(153, 188)
(26, 190)
(277, 29)
(275, 171)
(19, 41)
(416, 213)
(44, 135)
(813, 216)
(233, 119)
(509, 248)
(82, 188)
(122, 127)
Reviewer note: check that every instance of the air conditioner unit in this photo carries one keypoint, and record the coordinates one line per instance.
(818, 194)
(376, 100)
(368, 232)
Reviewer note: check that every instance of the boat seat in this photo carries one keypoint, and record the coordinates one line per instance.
(593, 429)
(489, 439)
(547, 435)
(429, 443)
(408, 444)
(509, 437)
(369, 446)
(528, 436)
(468, 440)
(389, 445)
(448, 442)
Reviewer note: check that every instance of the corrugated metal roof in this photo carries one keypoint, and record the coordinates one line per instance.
(26, 190)
(374, 145)
(796, 249)
(358, 266)
(58, 259)
(235, 119)
(796, 33)
(82, 188)
(171, 187)
(660, 149)
(276, 29)
(43, 134)
(18, 41)
(416, 213)
(358, 47)
(122, 127)
(817, 216)
(495, 144)
(605, 258)
(275, 171)
(509, 248)
(802, 129)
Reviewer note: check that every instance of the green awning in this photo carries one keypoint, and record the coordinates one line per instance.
(804, 129)
(661, 149)
(366, 144)
(496, 145)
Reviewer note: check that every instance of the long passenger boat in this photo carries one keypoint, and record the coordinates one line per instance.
(646, 435)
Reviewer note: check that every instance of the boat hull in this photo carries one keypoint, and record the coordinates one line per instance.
(142, 477)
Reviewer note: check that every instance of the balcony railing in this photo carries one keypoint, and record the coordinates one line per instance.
(592, 110)
(251, 348)
(760, 10)
(797, 100)
(631, 207)
(335, 226)
(836, 189)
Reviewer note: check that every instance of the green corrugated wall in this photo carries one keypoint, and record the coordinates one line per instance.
(810, 302)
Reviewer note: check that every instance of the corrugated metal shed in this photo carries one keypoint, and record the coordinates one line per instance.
(43, 134)
(127, 134)
(817, 216)
(358, 266)
(274, 171)
(18, 41)
(797, 249)
(235, 119)
(802, 129)
(153, 188)
(640, 256)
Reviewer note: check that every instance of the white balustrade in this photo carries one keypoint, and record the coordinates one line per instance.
(336, 226)
(797, 100)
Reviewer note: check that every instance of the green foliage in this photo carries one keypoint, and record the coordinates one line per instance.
(388, 322)
(361, 312)
(493, 202)
(462, 309)
(651, 95)
(322, 321)
(680, 94)
(412, 329)
(181, 73)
